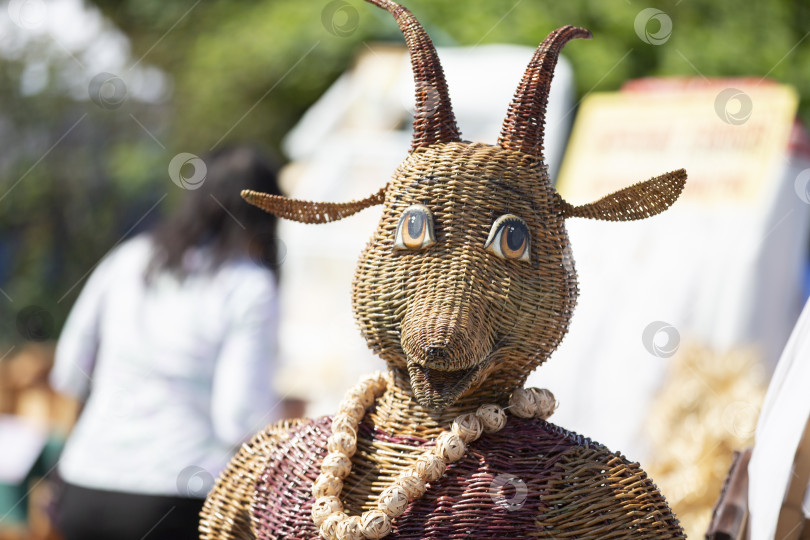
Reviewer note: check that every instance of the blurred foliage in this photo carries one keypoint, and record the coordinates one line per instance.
(227, 55)
(246, 70)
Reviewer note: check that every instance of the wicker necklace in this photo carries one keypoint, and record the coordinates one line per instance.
(327, 512)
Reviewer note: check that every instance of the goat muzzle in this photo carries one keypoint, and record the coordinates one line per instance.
(446, 350)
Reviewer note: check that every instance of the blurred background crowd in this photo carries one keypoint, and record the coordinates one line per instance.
(113, 115)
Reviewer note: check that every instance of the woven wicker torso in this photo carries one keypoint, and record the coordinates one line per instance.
(460, 321)
(530, 479)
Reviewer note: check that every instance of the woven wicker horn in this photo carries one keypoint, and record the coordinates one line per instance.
(434, 121)
(639, 201)
(524, 124)
(309, 212)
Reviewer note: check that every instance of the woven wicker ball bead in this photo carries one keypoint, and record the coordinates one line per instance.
(325, 507)
(429, 467)
(468, 427)
(546, 403)
(378, 382)
(492, 417)
(326, 485)
(375, 524)
(413, 485)
(393, 501)
(349, 529)
(344, 443)
(522, 403)
(328, 528)
(336, 464)
(343, 423)
(352, 408)
(449, 447)
(363, 394)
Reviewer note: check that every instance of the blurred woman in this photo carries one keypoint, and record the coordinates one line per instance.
(172, 345)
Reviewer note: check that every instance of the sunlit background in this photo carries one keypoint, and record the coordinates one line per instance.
(98, 97)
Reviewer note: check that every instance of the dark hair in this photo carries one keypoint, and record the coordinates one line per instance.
(214, 215)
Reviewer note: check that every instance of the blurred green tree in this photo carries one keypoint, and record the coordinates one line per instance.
(237, 51)
(246, 70)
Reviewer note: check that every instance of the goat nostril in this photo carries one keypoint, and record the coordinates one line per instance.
(436, 351)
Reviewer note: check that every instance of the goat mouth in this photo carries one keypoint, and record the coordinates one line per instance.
(438, 389)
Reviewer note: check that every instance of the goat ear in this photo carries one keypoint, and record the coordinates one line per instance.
(639, 201)
(309, 212)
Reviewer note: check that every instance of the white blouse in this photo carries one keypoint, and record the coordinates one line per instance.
(176, 374)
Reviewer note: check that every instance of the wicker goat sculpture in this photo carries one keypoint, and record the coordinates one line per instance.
(466, 286)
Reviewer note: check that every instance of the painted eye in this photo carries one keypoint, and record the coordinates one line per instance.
(509, 238)
(415, 229)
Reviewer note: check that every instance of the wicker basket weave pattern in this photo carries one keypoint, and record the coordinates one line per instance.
(532, 479)
(570, 486)
(226, 512)
(462, 313)
(409, 301)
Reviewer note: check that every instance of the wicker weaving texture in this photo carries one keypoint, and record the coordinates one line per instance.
(605, 496)
(226, 512)
(639, 201)
(309, 212)
(570, 487)
(523, 128)
(433, 120)
(441, 315)
(596, 494)
(480, 294)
